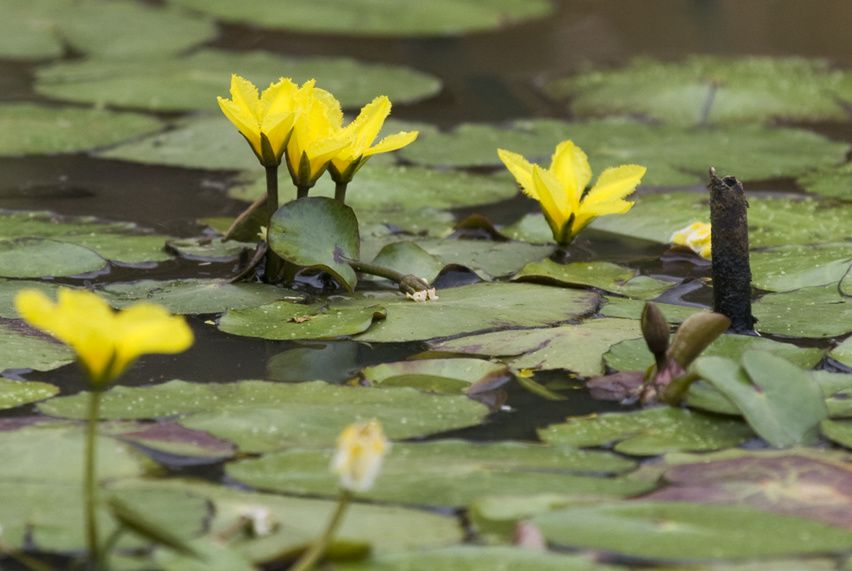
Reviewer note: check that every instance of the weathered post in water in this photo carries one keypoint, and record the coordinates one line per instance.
(729, 239)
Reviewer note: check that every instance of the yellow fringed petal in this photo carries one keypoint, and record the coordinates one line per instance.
(571, 167)
(521, 169)
(549, 192)
(615, 183)
(392, 143)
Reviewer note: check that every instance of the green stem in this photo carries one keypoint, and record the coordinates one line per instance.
(90, 482)
(273, 261)
(316, 550)
(302, 191)
(375, 270)
(24, 559)
(340, 191)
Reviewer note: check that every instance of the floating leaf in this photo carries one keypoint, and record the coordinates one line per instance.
(706, 89)
(449, 472)
(633, 355)
(780, 401)
(372, 18)
(450, 376)
(43, 28)
(843, 353)
(207, 249)
(468, 309)
(837, 389)
(386, 529)
(834, 182)
(632, 309)
(674, 155)
(398, 187)
(796, 483)
(649, 432)
(793, 267)
(121, 242)
(193, 446)
(603, 275)
(193, 82)
(477, 558)
(409, 258)
(24, 348)
(808, 312)
(317, 233)
(36, 257)
(578, 348)
(29, 129)
(262, 416)
(333, 362)
(15, 393)
(295, 321)
(10, 288)
(689, 532)
(194, 296)
(839, 431)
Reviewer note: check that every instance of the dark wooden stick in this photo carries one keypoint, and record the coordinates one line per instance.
(729, 236)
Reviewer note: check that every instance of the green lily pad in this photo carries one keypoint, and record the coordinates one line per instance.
(843, 353)
(386, 529)
(577, 348)
(808, 312)
(173, 439)
(295, 321)
(650, 432)
(837, 390)
(15, 393)
(304, 414)
(448, 472)
(23, 348)
(317, 233)
(450, 376)
(47, 516)
(193, 82)
(793, 267)
(207, 249)
(333, 362)
(121, 242)
(633, 355)
(29, 129)
(838, 431)
(477, 558)
(632, 309)
(835, 182)
(780, 401)
(706, 89)
(43, 28)
(36, 257)
(689, 532)
(196, 296)
(473, 308)
(409, 258)
(803, 483)
(674, 155)
(10, 288)
(377, 18)
(602, 275)
(772, 221)
(398, 187)
(423, 222)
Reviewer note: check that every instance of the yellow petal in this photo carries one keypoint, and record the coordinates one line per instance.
(246, 124)
(614, 184)
(392, 143)
(244, 95)
(550, 193)
(521, 169)
(278, 98)
(145, 328)
(366, 126)
(587, 213)
(571, 167)
(277, 129)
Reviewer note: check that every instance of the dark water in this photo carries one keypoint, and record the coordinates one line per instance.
(490, 76)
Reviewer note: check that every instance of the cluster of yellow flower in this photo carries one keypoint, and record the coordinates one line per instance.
(304, 125)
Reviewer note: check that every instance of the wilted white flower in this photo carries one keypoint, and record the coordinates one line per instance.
(423, 295)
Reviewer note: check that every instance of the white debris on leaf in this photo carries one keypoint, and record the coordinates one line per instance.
(260, 520)
(423, 295)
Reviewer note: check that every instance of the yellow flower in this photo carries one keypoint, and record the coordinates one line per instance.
(361, 133)
(696, 237)
(317, 136)
(265, 120)
(567, 206)
(361, 448)
(106, 341)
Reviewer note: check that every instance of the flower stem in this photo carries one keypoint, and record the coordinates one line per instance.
(375, 270)
(302, 191)
(340, 191)
(316, 550)
(90, 482)
(273, 261)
